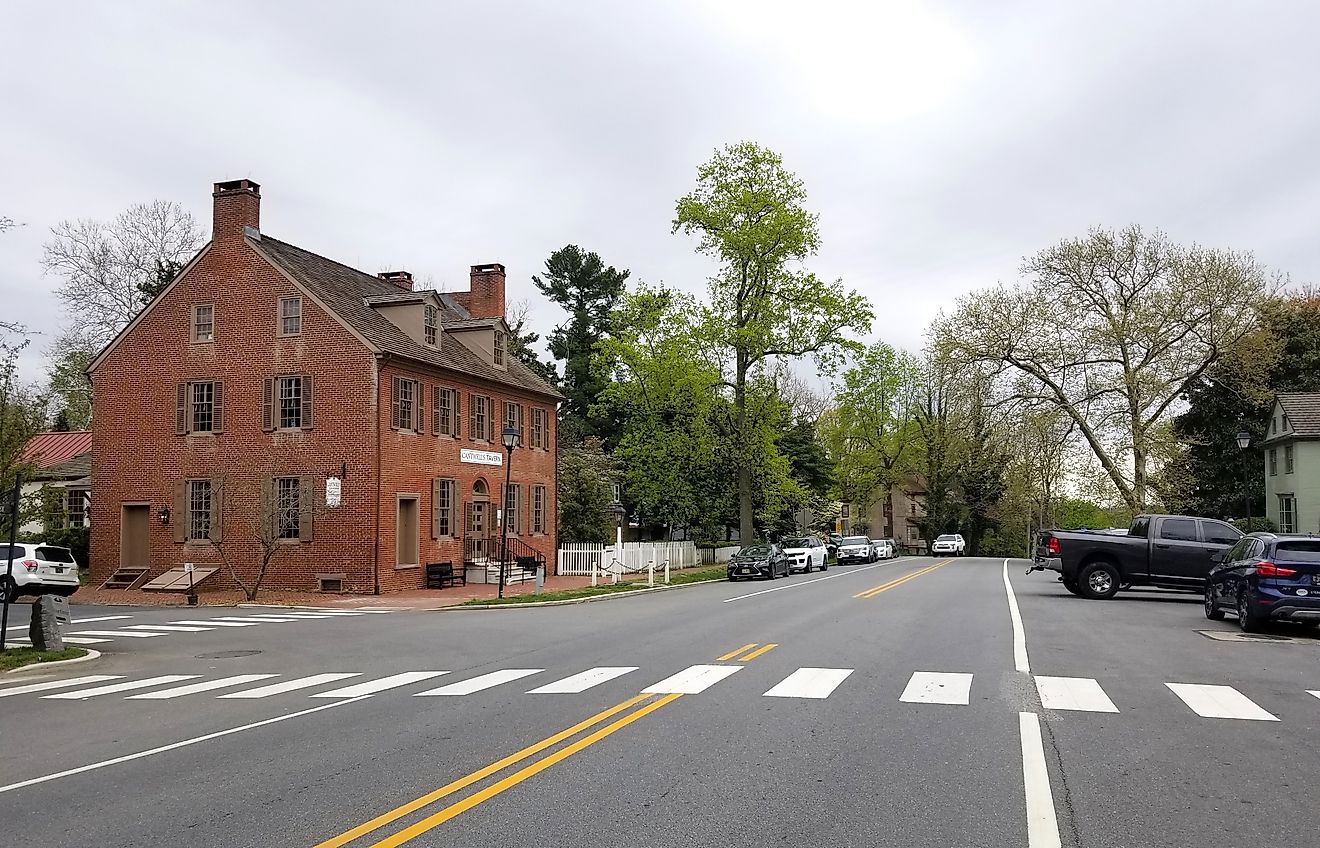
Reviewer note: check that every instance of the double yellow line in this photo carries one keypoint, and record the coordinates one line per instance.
(892, 584)
(749, 652)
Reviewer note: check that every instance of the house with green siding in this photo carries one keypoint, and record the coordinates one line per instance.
(1292, 464)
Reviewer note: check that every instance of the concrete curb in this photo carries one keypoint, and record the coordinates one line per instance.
(537, 604)
(91, 655)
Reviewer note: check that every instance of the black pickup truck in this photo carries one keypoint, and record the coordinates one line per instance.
(1161, 551)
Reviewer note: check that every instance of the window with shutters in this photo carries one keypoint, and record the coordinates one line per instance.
(513, 417)
(290, 391)
(203, 322)
(202, 407)
(290, 316)
(406, 399)
(513, 507)
(430, 324)
(498, 355)
(288, 507)
(538, 435)
(199, 510)
(538, 509)
(443, 414)
(480, 418)
(444, 508)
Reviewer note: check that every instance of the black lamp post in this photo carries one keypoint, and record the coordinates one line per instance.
(511, 436)
(1244, 442)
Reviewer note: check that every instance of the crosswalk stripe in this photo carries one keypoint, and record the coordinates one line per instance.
(58, 684)
(1073, 693)
(130, 685)
(99, 618)
(373, 686)
(169, 628)
(293, 685)
(485, 681)
(254, 619)
(583, 681)
(194, 688)
(809, 683)
(1211, 701)
(292, 617)
(693, 679)
(215, 622)
(136, 634)
(72, 640)
(938, 687)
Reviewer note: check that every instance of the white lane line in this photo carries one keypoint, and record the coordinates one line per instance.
(112, 688)
(99, 618)
(194, 688)
(169, 628)
(83, 640)
(692, 680)
(1210, 701)
(58, 684)
(938, 687)
(292, 685)
(170, 747)
(582, 681)
(136, 634)
(814, 580)
(1019, 634)
(371, 687)
(809, 683)
(1073, 693)
(1042, 822)
(485, 681)
(212, 622)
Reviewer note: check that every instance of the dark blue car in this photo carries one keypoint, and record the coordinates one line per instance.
(1266, 577)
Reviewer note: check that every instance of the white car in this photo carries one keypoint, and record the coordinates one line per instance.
(855, 549)
(806, 553)
(951, 543)
(38, 570)
(884, 549)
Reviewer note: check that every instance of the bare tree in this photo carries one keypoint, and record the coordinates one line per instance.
(269, 516)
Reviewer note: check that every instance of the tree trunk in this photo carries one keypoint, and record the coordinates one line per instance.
(746, 512)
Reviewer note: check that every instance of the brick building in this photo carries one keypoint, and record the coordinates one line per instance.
(264, 371)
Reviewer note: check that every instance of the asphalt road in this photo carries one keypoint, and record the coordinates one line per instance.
(894, 704)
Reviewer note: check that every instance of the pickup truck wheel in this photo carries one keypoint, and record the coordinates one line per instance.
(1072, 586)
(1212, 610)
(1248, 619)
(1099, 581)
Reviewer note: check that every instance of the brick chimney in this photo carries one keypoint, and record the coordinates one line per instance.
(237, 205)
(486, 298)
(402, 279)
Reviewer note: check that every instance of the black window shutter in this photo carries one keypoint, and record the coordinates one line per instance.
(307, 402)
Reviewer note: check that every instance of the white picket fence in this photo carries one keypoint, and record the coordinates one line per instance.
(579, 559)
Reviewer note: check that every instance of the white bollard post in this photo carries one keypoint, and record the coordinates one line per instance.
(650, 573)
(595, 569)
(666, 572)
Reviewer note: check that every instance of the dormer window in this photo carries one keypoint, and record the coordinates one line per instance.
(430, 324)
(499, 348)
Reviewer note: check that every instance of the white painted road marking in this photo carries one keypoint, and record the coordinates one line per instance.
(169, 628)
(938, 687)
(371, 687)
(1073, 693)
(292, 685)
(99, 618)
(485, 681)
(583, 681)
(211, 622)
(809, 683)
(112, 688)
(1020, 660)
(1042, 822)
(253, 619)
(58, 684)
(816, 580)
(1219, 702)
(691, 680)
(282, 618)
(134, 633)
(194, 688)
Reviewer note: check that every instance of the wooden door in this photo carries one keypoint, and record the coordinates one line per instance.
(134, 535)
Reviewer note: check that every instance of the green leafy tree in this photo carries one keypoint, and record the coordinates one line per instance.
(587, 289)
(747, 212)
(584, 493)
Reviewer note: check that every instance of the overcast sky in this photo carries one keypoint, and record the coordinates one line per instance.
(940, 142)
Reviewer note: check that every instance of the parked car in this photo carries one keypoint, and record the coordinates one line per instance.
(855, 549)
(832, 541)
(1163, 551)
(1264, 577)
(951, 544)
(884, 548)
(38, 570)
(806, 553)
(766, 560)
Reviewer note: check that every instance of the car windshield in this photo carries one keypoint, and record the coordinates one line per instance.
(803, 542)
(947, 539)
(54, 554)
(754, 551)
(1304, 551)
(856, 540)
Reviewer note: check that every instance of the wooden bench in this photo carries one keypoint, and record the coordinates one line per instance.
(440, 573)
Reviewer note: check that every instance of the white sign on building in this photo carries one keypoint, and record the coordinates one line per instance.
(334, 488)
(478, 457)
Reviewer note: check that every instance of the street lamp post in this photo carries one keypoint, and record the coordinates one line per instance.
(510, 436)
(1244, 442)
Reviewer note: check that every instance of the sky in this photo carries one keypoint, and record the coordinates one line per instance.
(940, 143)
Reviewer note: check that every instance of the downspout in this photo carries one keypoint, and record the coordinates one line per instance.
(375, 559)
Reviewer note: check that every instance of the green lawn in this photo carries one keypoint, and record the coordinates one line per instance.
(12, 658)
(676, 579)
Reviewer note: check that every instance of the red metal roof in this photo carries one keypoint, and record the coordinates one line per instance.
(47, 449)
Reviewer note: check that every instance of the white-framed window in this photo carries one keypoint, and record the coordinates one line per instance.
(499, 348)
(199, 510)
(538, 509)
(1287, 459)
(513, 508)
(290, 316)
(407, 415)
(290, 399)
(288, 507)
(77, 507)
(480, 427)
(442, 416)
(430, 324)
(202, 407)
(538, 434)
(444, 508)
(1287, 514)
(203, 322)
(1274, 462)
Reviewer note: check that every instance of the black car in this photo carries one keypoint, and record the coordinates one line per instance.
(1264, 577)
(766, 560)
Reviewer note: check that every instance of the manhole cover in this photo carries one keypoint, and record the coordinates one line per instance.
(1234, 636)
(227, 655)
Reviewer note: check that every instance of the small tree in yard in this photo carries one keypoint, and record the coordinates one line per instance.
(272, 515)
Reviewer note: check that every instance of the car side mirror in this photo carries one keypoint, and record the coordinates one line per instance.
(1219, 557)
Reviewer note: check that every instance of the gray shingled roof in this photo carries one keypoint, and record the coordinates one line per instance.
(346, 289)
(69, 469)
(1303, 411)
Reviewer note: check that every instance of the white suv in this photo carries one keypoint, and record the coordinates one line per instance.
(951, 543)
(38, 570)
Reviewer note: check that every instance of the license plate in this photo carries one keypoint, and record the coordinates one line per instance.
(1315, 579)
(747, 571)
(59, 569)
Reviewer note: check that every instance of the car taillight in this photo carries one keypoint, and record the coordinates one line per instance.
(30, 564)
(1269, 569)
(1052, 545)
